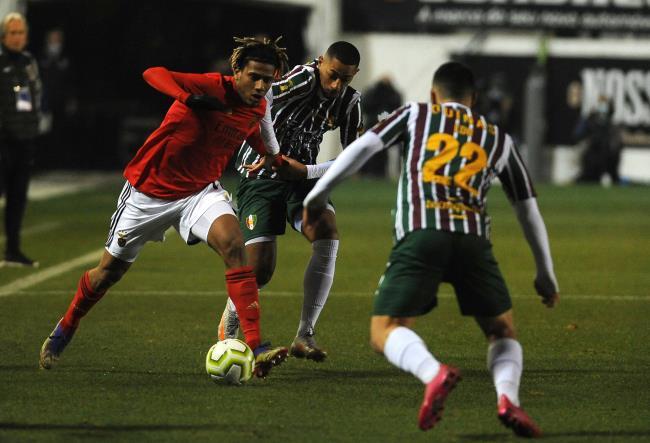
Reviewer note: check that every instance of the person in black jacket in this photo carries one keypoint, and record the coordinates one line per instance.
(379, 100)
(604, 143)
(20, 89)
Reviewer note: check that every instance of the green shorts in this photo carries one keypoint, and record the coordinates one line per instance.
(425, 258)
(264, 206)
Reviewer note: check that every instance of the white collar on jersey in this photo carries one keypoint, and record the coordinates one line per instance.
(454, 104)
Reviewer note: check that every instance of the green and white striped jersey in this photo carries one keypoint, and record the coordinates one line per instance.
(450, 157)
(302, 114)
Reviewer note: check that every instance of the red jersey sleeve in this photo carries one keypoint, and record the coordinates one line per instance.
(176, 84)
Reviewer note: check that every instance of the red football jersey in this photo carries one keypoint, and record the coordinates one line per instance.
(191, 148)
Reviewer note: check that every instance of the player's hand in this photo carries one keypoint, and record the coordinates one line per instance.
(206, 103)
(267, 162)
(546, 287)
(290, 169)
(311, 220)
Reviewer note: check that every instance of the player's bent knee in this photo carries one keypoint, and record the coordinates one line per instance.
(499, 329)
(502, 332)
(377, 345)
(327, 231)
(501, 326)
(326, 227)
(327, 234)
(263, 275)
(232, 251)
(380, 328)
(105, 278)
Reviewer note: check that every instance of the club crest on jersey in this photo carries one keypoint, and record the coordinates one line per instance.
(251, 221)
(122, 238)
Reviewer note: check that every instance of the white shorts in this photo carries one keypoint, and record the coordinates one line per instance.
(140, 218)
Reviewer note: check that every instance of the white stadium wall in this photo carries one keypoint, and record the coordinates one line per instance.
(7, 6)
(410, 60)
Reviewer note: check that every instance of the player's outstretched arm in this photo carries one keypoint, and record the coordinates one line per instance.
(534, 229)
(286, 168)
(267, 132)
(206, 103)
(184, 88)
(290, 169)
(265, 142)
(346, 164)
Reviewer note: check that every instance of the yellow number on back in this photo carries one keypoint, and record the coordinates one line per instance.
(447, 153)
(476, 161)
(448, 147)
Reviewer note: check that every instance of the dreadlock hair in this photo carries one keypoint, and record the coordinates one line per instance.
(263, 50)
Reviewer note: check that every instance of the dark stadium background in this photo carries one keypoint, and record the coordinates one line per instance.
(111, 42)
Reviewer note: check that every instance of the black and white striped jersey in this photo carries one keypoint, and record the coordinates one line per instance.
(301, 116)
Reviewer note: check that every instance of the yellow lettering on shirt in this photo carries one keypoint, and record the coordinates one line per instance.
(468, 120)
(446, 205)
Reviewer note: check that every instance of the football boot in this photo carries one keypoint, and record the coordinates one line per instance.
(54, 345)
(435, 393)
(515, 418)
(304, 346)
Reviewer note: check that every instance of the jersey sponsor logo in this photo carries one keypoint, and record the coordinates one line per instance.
(454, 206)
(286, 86)
(251, 221)
(122, 238)
(232, 134)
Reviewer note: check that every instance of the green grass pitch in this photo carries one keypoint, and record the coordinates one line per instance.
(135, 370)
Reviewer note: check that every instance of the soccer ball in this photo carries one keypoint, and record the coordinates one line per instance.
(230, 361)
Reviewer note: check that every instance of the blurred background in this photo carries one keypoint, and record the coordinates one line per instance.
(569, 79)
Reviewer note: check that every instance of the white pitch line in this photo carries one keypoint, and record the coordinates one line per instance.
(26, 282)
(264, 293)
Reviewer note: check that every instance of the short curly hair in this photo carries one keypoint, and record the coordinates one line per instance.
(262, 50)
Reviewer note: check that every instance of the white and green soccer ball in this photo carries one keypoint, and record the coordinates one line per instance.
(230, 361)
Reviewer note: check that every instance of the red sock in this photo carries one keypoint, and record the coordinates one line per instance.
(84, 299)
(242, 290)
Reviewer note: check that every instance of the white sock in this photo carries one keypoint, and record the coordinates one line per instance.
(406, 350)
(319, 277)
(505, 361)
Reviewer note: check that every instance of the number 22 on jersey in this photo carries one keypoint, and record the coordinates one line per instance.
(449, 150)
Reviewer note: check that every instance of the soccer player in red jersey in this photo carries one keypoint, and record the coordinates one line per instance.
(173, 180)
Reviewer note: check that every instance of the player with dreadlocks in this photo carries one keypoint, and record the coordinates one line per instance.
(307, 102)
(173, 180)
